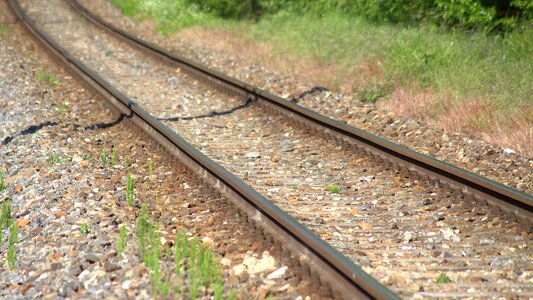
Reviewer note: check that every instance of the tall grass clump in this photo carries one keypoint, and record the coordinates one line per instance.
(2, 181)
(130, 190)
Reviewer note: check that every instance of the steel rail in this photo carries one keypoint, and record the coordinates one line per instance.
(470, 184)
(344, 277)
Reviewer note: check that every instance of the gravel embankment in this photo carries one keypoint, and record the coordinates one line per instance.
(402, 232)
(502, 165)
(68, 205)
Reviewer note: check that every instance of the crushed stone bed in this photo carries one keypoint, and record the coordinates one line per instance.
(68, 206)
(402, 232)
(502, 165)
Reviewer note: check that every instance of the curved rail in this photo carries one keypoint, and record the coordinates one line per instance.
(470, 184)
(350, 281)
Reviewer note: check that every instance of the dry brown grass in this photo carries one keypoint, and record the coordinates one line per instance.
(470, 116)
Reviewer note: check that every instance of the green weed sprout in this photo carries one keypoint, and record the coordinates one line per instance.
(122, 239)
(334, 189)
(130, 190)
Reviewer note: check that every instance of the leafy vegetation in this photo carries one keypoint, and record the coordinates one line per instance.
(150, 168)
(5, 217)
(3, 30)
(443, 278)
(63, 107)
(54, 159)
(193, 262)
(46, 76)
(122, 239)
(130, 190)
(469, 60)
(334, 189)
(85, 229)
(11, 251)
(2, 181)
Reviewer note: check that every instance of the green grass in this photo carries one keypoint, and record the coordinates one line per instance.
(169, 16)
(122, 241)
(104, 159)
(54, 159)
(2, 181)
(85, 229)
(150, 168)
(130, 190)
(5, 217)
(3, 30)
(334, 189)
(195, 265)
(458, 65)
(11, 251)
(474, 64)
(46, 76)
(443, 278)
(63, 108)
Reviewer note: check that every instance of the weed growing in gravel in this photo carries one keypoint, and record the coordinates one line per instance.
(3, 30)
(5, 217)
(85, 229)
(142, 226)
(294, 185)
(11, 252)
(334, 189)
(130, 190)
(122, 239)
(104, 158)
(53, 158)
(443, 278)
(198, 262)
(150, 168)
(88, 158)
(2, 181)
(46, 76)
(194, 263)
(63, 108)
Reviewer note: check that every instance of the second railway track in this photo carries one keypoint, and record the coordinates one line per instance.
(402, 230)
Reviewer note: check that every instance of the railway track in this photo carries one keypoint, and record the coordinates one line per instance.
(404, 217)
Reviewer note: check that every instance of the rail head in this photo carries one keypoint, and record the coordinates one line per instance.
(349, 279)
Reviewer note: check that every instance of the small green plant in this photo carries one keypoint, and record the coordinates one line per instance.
(130, 190)
(5, 217)
(2, 181)
(87, 157)
(443, 278)
(122, 239)
(104, 158)
(11, 252)
(3, 30)
(63, 108)
(53, 158)
(142, 227)
(150, 168)
(85, 229)
(46, 76)
(334, 188)
(294, 185)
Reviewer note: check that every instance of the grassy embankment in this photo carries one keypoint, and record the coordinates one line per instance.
(468, 81)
